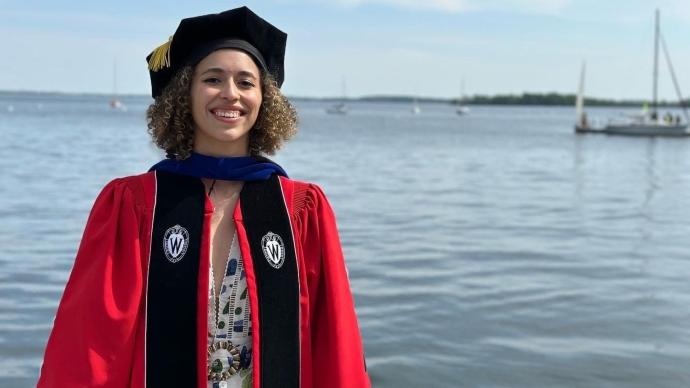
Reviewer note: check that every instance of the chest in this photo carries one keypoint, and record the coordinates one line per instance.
(221, 236)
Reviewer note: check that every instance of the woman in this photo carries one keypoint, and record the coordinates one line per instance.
(214, 269)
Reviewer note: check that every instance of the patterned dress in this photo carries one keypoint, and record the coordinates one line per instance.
(231, 322)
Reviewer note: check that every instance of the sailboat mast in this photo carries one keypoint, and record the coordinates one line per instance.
(114, 77)
(580, 99)
(656, 64)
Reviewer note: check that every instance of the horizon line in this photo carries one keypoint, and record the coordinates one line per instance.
(352, 98)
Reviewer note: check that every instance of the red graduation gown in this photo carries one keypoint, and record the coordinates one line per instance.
(99, 333)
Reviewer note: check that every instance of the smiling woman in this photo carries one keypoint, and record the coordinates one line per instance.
(226, 96)
(214, 269)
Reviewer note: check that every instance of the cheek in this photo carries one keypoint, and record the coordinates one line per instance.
(198, 100)
(257, 101)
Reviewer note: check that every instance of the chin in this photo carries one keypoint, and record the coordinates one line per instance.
(232, 135)
(219, 140)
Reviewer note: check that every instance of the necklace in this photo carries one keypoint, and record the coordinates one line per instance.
(210, 190)
(222, 352)
(224, 357)
(216, 298)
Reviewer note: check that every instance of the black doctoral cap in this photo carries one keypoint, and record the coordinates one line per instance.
(196, 37)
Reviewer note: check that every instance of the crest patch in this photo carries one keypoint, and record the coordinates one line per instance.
(274, 249)
(175, 243)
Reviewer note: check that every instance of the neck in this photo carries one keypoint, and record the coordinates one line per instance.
(237, 148)
(221, 190)
(222, 153)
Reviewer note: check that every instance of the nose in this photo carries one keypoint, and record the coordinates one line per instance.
(230, 91)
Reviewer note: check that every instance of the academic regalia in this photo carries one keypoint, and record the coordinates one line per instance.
(134, 311)
(100, 333)
(196, 37)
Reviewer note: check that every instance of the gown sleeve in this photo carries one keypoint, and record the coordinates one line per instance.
(337, 350)
(93, 336)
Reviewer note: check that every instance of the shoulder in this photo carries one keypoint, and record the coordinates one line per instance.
(301, 196)
(139, 188)
(298, 185)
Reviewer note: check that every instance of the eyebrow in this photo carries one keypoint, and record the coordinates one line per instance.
(244, 73)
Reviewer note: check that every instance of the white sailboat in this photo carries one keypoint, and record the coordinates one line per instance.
(115, 102)
(339, 108)
(582, 124)
(648, 123)
(416, 109)
(462, 109)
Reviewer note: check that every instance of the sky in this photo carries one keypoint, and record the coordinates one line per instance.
(425, 48)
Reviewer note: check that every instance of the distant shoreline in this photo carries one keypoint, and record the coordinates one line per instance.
(524, 99)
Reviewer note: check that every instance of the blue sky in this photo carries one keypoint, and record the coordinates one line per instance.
(411, 47)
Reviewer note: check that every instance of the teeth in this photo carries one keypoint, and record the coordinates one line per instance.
(227, 113)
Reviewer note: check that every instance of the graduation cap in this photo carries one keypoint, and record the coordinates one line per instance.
(197, 37)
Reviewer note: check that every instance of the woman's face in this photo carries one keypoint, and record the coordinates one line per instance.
(226, 97)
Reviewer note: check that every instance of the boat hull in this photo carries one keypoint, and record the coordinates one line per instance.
(646, 130)
(338, 109)
(581, 129)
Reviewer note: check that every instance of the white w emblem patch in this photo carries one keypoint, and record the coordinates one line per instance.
(175, 242)
(274, 249)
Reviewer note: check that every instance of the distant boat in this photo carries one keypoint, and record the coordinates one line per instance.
(582, 125)
(115, 102)
(340, 107)
(415, 107)
(648, 122)
(462, 109)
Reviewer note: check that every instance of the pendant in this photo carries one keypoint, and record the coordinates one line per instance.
(223, 361)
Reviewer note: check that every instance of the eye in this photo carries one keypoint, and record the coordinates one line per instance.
(246, 84)
(212, 80)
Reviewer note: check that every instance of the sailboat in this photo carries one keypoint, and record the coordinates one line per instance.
(416, 109)
(462, 109)
(339, 108)
(115, 102)
(648, 123)
(582, 125)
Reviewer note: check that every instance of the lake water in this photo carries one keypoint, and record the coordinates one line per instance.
(496, 249)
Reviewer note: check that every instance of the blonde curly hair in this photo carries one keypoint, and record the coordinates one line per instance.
(170, 122)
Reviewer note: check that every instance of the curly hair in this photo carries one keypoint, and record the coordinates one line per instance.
(171, 125)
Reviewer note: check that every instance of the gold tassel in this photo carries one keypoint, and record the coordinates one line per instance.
(160, 57)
